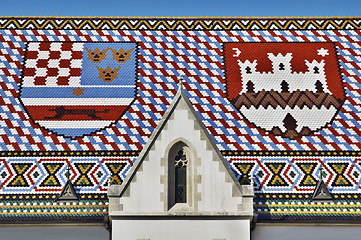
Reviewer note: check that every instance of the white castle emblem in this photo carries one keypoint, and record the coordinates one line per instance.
(284, 102)
(282, 79)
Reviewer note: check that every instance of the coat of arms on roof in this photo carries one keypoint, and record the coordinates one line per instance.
(77, 88)
(287, 89)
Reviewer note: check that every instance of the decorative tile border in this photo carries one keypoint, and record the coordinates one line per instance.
(304, 211)
(135, 153)
(44, 177)
(48, 211)
(274, 176)
(286, 177)
(292, 153)
(180, 24)
(69, 153)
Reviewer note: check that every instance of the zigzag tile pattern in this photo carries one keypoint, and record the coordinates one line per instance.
(200, 24)
(299, 174)
(297, 98)
(24, 176)
(91, 175)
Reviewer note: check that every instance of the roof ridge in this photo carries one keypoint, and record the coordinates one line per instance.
(190, 17)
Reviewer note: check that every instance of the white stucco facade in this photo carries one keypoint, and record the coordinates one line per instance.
(216, 206)
(205, 229)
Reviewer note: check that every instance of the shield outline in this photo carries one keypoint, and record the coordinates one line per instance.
(226, 55)
(113, 122)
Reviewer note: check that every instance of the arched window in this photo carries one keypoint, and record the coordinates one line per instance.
(180, 176)
(178, 164)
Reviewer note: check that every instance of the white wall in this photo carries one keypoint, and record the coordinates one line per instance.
(181, 229)
(17, 232)
(315, 232)
(212, 189)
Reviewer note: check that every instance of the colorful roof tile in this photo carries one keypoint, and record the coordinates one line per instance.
(279, 96)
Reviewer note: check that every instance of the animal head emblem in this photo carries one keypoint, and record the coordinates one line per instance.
(121, 56)
(108, 74)
(96, 56)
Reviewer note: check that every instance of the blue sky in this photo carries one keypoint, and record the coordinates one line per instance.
(180, 8)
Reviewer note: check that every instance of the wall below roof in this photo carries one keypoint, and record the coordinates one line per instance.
(302, 232)
(54, 232)
(199, 229)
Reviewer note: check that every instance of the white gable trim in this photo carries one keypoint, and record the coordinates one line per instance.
(212, 188)
(120, 191)
(180, 95)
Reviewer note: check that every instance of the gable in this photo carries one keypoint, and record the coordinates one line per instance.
(321, 192)
(212, 188)
(68, 193)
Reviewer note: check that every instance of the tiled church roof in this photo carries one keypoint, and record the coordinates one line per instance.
(59, 109)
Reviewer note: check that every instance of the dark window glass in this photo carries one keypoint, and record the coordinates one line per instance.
(180, 170)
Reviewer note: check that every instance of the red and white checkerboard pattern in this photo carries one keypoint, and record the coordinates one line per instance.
(52, 64)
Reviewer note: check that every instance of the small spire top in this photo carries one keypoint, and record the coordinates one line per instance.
(180, 82)
(321, 168)
(109, 181)
(180, 79)
(68, 173)
(252, 180)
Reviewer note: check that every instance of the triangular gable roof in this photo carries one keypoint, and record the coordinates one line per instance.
(212, 188)
(178, 97)
(68, 193)
(321, 192)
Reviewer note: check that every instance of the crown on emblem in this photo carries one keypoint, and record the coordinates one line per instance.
(282, 79)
